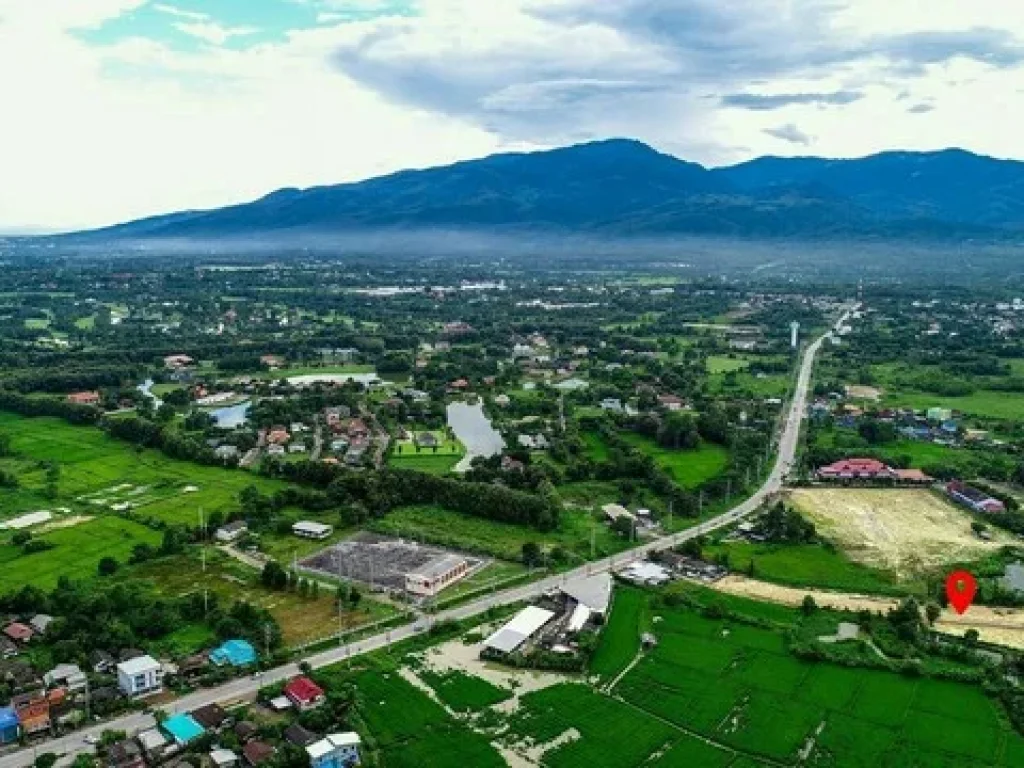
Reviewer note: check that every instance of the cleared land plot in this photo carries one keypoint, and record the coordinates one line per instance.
(620, 639)
(688, 468)
(436, 461)
(99, 472)
(724, 364)
(903, 531)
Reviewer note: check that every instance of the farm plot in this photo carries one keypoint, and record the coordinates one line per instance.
(903, 531)
(736, 686)
(75, 552)
(412, 730)
(100, 474)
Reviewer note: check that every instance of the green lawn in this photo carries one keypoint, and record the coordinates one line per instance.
(689, 468)
(436, 461)
(98, 472)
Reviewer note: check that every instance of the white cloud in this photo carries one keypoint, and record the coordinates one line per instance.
(180, 13)
(102, 134)
(212, 32)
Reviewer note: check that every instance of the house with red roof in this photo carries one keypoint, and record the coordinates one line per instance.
(84, 398)
(18, 632)
(304, 693)
(856, 469)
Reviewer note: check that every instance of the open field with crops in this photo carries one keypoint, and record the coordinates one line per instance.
(905, 531)
(75, 552)
(99, 473)
(736, 685)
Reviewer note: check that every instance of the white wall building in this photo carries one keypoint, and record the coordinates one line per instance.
(431, 578)
(140, 676)
(336, 750)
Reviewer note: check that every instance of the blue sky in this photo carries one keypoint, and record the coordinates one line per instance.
(125, 108)
(189, 24)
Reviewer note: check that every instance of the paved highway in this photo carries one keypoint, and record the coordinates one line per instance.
(76, 742)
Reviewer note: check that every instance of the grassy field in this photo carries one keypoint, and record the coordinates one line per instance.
(723, 364)
(437, 462)
(689, 468)
(595, 447)
(809, 565)
(502, 540)
(983, 403)
(76, 552)
(302, 619)
(744, 383)
(98, 472)
(737, 686)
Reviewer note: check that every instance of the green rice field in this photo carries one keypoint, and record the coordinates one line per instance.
(99, 473)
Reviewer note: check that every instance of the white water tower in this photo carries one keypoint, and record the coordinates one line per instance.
(794, 332)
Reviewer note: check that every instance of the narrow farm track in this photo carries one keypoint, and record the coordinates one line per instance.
(74, 743)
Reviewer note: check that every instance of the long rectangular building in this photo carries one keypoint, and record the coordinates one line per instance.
(521, 628)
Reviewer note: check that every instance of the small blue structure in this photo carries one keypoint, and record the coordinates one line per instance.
(182, 728)
(8, 725)
(237, 653)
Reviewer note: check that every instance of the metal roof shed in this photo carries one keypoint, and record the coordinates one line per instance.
(517, 631)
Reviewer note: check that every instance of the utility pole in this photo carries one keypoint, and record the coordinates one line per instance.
(728, 489)
(266, 641)
(670, 515)
(202, 550)
(593, 542)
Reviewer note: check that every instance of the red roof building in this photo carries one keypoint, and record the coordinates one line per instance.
(304, 693)
(84, 398)
(857, 469)
(19, 632)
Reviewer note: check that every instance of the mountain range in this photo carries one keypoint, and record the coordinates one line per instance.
(623, 188)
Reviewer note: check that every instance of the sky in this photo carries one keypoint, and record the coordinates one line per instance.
(117, 109)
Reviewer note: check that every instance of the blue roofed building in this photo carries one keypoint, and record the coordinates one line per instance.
(8, 725)
(237, 653)
(182, 728)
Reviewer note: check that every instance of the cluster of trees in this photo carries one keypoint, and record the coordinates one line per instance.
(379, 492)
(91, 616)
(783, 525)
(48, 406)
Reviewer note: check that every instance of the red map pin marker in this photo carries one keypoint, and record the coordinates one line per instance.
(960, 589)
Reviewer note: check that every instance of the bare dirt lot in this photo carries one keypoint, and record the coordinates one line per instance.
(905, 531)
(1003, 626)
(858, 392)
